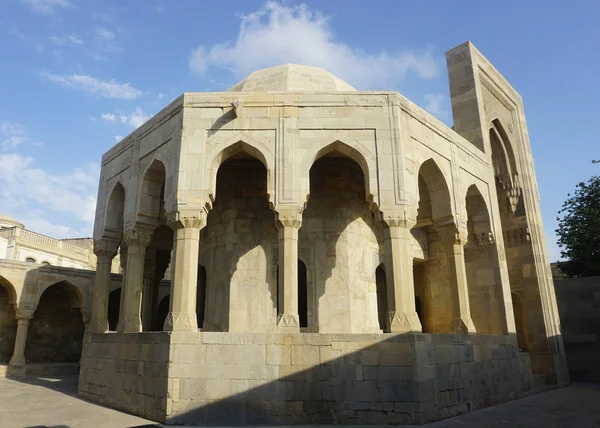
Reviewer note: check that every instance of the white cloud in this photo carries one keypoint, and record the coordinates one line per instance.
(135, 119)
(67, 40)
(94, 86)
(118, 138)
(108, 117)
(277, 34)
(45, 7)
(435, 104)
(26, 188)
(13, 134)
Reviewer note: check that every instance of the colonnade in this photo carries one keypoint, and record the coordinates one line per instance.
(402, 316)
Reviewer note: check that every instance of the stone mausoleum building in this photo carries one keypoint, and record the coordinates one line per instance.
(336, 256)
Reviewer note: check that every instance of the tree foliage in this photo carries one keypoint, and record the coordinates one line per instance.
(579, 230)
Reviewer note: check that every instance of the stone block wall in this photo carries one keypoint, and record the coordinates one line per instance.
(126, 372)
(579, 308)
(236, 379)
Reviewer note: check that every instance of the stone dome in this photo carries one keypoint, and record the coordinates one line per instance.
(292, 78)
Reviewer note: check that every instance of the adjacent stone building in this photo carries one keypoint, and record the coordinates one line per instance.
(337, 256)
(45, 290)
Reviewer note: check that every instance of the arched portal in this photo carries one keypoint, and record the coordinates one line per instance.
(341, 229)
(114, 302)
(381, 287)
(8, 321)
(201, 296)
(302, 294)
(55, 332)
(114, 212)
(482, 267)
(520, 260)
(433, 287)
(239, 239)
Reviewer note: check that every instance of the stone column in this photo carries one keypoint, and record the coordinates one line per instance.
(289, 221)
(402, 313)
(105, 250)
(137, 240)
(182, 315)
(18, 359)
(454, 240)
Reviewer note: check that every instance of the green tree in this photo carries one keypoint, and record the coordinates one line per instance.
(579, 230)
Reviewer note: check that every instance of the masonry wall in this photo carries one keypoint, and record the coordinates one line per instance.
(579, 306)
(126, 372)
(237, 379)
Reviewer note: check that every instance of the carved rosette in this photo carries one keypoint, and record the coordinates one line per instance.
(139, 235)
(289, 217)
(106, 247)
(181, 321)
(404, 322)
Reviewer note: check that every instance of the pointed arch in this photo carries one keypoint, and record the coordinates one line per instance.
(477, 211)
(351, 148)
(76, 293)
(115, 209)
(10, 289)
(433, 179)
(239, 143)
(151, 190)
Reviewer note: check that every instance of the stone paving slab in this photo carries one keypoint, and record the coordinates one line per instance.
(53, 403)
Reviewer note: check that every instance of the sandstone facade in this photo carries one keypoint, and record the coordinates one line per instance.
(332, 253)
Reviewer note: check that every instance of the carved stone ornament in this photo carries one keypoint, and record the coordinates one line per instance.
(399, 217)
(24, 314)
(106, 247)
(404, 322)
(193, 219)
(288, 320)
(289, 217)
(138, 236)
(181, 321)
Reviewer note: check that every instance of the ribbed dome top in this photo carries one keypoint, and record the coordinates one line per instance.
(292, 78)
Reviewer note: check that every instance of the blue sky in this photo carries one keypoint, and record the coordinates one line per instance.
(75, 76)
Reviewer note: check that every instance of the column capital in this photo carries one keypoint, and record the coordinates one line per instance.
(289, 216)
(138, 235)
(195, 219)
(24, 314)
(107, 247)
(404, 217)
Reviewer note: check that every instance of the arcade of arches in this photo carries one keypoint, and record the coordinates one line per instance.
(51, 332)
(338, 283)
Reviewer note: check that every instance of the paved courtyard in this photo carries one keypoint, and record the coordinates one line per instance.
(53, 403)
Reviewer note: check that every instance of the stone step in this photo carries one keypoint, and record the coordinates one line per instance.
(52, 369)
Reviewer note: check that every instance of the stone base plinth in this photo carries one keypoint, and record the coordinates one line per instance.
(210, 378)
